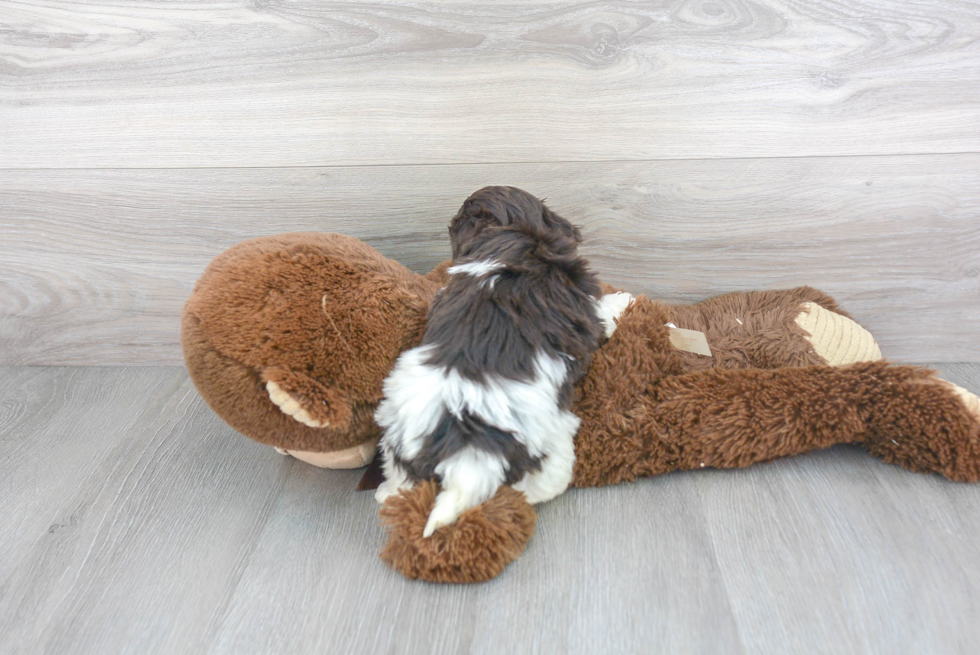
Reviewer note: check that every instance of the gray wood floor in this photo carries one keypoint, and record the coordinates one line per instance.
(132, 520)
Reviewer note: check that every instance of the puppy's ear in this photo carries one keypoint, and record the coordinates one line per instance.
(553, 221)
(464, 227)
(476, 214)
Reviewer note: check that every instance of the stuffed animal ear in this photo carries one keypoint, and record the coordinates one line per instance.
(307, 400)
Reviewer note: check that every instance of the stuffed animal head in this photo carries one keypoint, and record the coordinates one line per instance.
(291, 337)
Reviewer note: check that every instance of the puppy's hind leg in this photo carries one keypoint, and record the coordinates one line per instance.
(557, 467)
(469, 477)
(396, 478)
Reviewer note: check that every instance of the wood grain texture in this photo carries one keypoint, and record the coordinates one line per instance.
(117, 83)
(156, 529)
(840, 546)
(142, 545)
(54, 432)
(96, 265)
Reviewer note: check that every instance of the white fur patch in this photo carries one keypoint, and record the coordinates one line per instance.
(611, 307)
(417, 395)
(476, 269)
(469, 477)
(395, 480)
(556, 469)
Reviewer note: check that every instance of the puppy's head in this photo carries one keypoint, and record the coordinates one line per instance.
(538, 256)
(503, 206)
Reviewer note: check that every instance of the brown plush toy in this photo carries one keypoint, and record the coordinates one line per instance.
(289, 339)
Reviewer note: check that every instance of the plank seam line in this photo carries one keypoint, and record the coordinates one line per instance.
(481, 163)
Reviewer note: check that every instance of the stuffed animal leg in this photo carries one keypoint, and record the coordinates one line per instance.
(734, 417)
(731, 419)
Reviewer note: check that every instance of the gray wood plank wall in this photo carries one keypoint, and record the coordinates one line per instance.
(124, 84)
(705, 146)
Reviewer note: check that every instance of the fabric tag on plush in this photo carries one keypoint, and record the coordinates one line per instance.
(690, 341)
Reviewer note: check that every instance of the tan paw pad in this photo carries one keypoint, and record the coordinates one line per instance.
(970, 399)
(290, 407)
(837, 339)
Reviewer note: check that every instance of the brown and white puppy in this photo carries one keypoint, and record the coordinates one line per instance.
(484, 400)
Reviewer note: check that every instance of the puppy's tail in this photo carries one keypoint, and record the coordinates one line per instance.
(469, 477)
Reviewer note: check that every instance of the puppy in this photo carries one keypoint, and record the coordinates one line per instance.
(484, 400)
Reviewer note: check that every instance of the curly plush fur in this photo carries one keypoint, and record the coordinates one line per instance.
(331, 310)
(482, 542)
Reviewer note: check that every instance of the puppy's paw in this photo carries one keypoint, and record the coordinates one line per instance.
(291, 407)
(535, 493)
(610, 307)
(449, 505)
(437, 521)
(387, 489)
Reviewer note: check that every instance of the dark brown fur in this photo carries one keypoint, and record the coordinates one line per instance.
(542, 300)
(452, 435)
(494, 206)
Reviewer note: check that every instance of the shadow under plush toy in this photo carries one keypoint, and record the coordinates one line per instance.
(289, 338)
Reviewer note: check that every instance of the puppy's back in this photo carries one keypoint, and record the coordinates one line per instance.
(519, 292)
(484, 400)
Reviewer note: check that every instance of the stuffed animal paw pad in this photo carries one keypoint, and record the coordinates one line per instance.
(310, 402)
(290, 406)
(837, 339)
